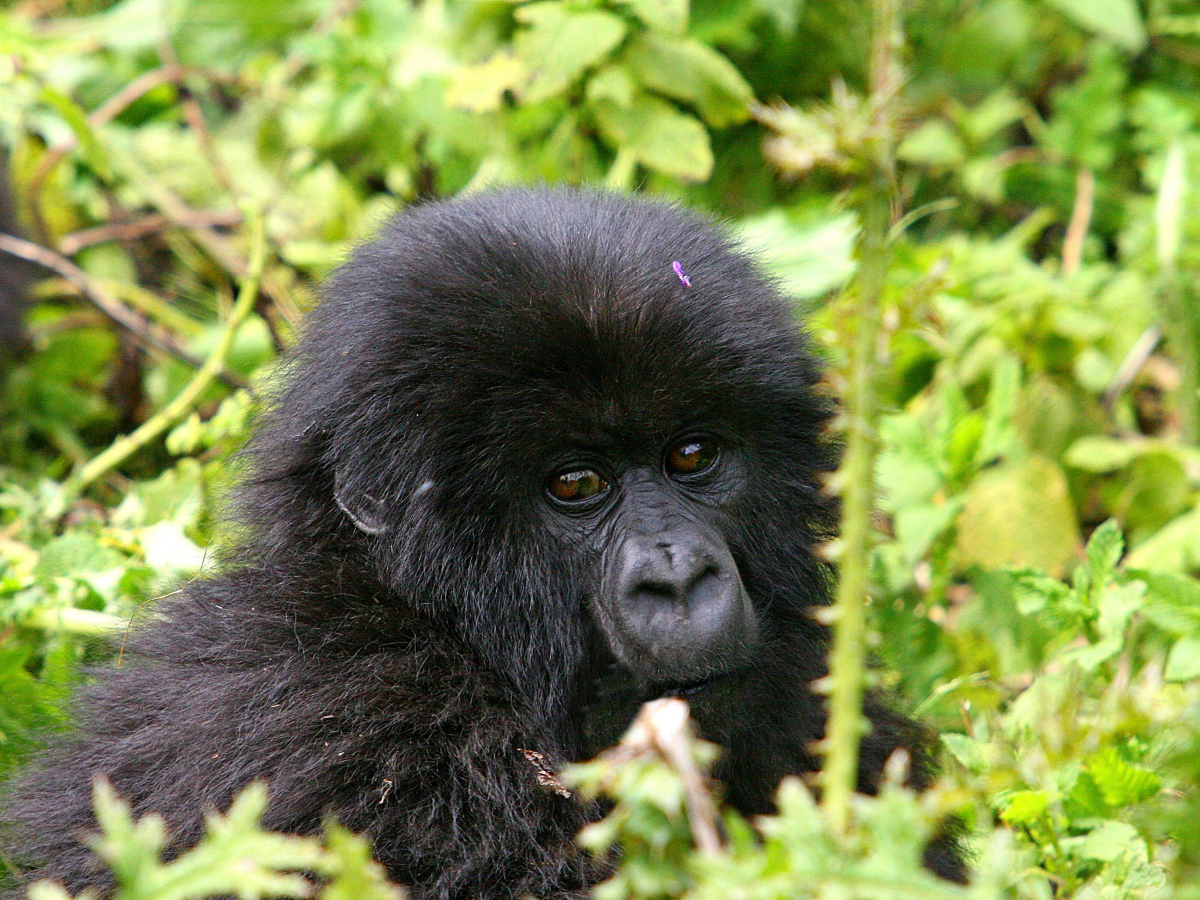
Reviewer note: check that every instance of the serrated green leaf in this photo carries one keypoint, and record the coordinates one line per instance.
(1121, 782)
(1104, 550)
(1034, 593)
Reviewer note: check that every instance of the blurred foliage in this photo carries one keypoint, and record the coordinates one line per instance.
(234, 858)
(1039, 530)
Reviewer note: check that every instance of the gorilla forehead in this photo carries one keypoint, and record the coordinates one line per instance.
(561, 304)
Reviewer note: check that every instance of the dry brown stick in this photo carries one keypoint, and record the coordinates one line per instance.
(140, 227)
(1081, 217)
(139, 326)
(662, 726)
(1132, 364)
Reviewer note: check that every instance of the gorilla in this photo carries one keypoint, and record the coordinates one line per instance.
(540, 456)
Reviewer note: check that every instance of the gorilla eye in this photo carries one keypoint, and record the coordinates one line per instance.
(576, 486)
(691, 457)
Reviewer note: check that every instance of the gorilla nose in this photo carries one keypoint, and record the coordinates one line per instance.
(681, 613)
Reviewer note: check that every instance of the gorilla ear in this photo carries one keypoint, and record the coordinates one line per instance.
(363, 509)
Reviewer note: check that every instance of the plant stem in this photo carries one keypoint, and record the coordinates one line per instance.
(857, 475)
(74, 621)
(125, 445)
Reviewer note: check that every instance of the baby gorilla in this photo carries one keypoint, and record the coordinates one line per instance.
(540, 456)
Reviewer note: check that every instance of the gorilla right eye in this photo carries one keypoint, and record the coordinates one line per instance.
(692, 457)
(577, 486)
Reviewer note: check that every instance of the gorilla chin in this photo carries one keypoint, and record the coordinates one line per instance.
(540, 456)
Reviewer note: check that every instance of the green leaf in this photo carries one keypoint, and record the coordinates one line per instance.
(1094, 453)
(75, 554)
(559, 45)
(808, 261)
(1176, 548)
(614, 83)
(689, 71)
(934, 143)
(660, 136)
(1023, 807)
(968, 751)
(1033, 593)
(481, 87)
(1118, 20)
(664, 15)
(1110, 841)
(356, 875)
(1104, 550)
(1020, 515)
(76, 118)
(1173, 602)
(1183, 661)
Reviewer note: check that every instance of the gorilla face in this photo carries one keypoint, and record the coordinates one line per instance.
(578, 429)
(670, 600)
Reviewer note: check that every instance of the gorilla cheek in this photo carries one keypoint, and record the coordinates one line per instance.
(673, 607)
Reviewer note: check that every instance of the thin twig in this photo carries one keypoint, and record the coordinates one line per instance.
(217, 245)
(1132, 364)
(1081, 217)
(139, 326)
(125, 445)
(140, 227)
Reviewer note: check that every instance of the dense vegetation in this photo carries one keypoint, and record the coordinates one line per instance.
(189, 170)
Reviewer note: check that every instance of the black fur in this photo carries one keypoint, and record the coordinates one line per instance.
(15, 276)
(393, 678)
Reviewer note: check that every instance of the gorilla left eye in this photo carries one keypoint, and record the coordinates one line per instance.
(577, 486)
(691, 457)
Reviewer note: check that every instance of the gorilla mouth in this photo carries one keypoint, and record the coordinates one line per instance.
(687, 689)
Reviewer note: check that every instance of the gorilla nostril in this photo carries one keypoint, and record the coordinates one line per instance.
(707, 588)
(657, 590)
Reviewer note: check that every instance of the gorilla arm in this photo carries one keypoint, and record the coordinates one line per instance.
(368, 716)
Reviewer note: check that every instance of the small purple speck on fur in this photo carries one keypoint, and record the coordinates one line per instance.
(677, 268)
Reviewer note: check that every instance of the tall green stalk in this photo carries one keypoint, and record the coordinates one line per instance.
(857, 475)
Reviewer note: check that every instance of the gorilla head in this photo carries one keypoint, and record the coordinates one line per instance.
(539, 457)
(576, 428)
